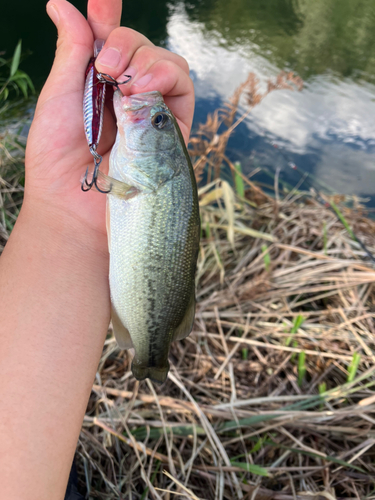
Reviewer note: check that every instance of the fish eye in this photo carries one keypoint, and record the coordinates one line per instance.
(160, 120)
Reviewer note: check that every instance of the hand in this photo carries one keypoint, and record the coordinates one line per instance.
(57, 154)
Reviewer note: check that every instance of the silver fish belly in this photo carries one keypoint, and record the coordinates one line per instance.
(153, 234)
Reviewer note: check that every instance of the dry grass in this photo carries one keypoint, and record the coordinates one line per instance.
(235, 399)
(12, 175)
(272, 395)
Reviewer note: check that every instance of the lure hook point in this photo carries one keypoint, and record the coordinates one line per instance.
(109, 80)
(85, 183)
(86, 186)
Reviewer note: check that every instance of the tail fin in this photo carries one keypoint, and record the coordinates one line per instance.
(156, 374)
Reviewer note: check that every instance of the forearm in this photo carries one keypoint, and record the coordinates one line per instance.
(54, 310)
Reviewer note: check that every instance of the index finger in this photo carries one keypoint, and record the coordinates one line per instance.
(103, 17)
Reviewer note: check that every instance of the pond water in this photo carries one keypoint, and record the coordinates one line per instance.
(327, 129)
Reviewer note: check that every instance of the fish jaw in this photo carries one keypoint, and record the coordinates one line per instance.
(139, 101)
(138, 108)
(134, 122)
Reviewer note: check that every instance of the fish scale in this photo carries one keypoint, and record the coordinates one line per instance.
(153, 237)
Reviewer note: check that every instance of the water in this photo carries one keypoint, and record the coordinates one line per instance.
(327, 129)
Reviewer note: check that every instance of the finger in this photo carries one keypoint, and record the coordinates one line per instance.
(74, 48)
(145, 56)
(122, 45)
(118, 50)
(104, 17)
(176, 87)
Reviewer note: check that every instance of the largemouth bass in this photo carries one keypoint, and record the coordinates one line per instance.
(153, 230)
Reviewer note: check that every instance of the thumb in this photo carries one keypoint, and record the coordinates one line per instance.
(74, 49)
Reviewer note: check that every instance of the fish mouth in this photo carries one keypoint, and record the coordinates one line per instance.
(138, 101)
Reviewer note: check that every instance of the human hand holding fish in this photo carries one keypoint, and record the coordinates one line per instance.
(57, 153)
(54, 294)
(125, 53)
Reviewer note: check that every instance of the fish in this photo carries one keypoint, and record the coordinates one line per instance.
(153, 228)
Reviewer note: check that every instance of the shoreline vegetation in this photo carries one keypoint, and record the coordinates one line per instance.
(272, 396)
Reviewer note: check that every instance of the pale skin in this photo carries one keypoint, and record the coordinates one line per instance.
(54, 295)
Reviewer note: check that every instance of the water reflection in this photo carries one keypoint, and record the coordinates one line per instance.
(328, 128)
(308, 37)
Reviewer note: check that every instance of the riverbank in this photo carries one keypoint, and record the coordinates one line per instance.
(272, 395)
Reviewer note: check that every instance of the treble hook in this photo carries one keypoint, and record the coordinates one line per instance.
(85, 185)
(109, 80)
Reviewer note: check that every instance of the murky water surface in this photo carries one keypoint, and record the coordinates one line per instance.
(328, 129)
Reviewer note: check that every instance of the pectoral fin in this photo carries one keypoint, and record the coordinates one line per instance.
(121, 333)
(110, 185)
(186, 325)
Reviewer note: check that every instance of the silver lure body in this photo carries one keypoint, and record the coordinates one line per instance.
(154, 235)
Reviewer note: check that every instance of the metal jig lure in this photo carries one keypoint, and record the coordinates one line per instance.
(93, 107)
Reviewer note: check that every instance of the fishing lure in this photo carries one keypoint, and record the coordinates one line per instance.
(93, 112)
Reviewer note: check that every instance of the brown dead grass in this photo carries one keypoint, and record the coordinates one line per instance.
(241, 415)
(233, 398)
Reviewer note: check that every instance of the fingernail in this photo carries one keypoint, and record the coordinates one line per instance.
(53, 13)
(110, 57)
(142, 82)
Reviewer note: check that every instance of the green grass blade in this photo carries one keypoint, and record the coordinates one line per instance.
(23, 86)
(258, 446)
(246, 422)
(16, 59)
(342, 219)
(254, 469)
(327, 458)
(353, 367)
(297, 323)
(183, 430)
(325, 238)
(208, 231)
(301, 367)
(240, 187)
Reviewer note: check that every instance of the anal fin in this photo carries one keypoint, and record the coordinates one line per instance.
(122, 334)
(186, 325)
